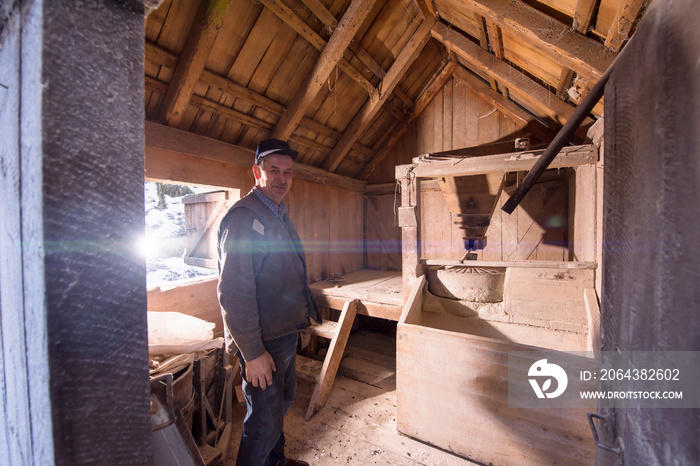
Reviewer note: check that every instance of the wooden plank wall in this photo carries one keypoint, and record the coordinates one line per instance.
(456, 118)
(328, 218)
(382, 234)
(330, 223)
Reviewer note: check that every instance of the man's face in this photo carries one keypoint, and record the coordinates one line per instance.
(275, 179)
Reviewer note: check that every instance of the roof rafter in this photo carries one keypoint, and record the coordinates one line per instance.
(361, 121)
(292, 20)
(521, 86)
(206, 26)
(332, 53)
(626, 18)
(573, 50)
(583, 15)
(582, 21)
(427, 8)
(327, 18)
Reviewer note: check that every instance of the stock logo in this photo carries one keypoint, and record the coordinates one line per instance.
(542, 369)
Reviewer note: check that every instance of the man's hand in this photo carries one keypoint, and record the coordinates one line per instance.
(259, 371)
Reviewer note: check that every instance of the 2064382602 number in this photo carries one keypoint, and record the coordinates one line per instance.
(639, 374)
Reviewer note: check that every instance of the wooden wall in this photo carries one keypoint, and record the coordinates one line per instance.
(329, 220)
(456, 118)
(382, 234)
(327, 214)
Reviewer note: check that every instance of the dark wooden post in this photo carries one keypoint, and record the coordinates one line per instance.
(409, 221)
(651, 252)
(73, 165)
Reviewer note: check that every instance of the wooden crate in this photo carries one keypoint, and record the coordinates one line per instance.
(452, 385)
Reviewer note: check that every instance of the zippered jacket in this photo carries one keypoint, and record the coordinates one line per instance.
(263, 288)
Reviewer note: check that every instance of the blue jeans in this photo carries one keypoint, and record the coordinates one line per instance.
(262, 441)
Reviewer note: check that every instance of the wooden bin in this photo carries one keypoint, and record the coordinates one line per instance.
(452, 384)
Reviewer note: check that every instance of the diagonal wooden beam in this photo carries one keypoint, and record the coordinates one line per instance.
(327, 18)
(583, 15)
(362, 120)
(333, 357)
(582, 21)
(627, 16)
(496, 41)
(292, 20)
(550, 37)
(332, 53)
(429, 92)
(189, 67)
(484, 42)
(427, 8)
(529, 91)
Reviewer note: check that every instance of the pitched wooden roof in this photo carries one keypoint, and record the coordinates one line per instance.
(341, 79)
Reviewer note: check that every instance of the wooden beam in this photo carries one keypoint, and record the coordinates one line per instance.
(495, 36)
(362, 120)
(583, 15)
(427, 8)
(327, 18)
(570, 156)
(206, 26)
(529, 91)
(332, 360)
(303, 29)
(539, 264)
(550, 37)
(164, 138)
(431, 89)
(332, 53)
(565, 79)
(582, 21)
(626, 18)
(484, 42)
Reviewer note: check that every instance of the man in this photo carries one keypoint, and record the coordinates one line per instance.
(265, 301)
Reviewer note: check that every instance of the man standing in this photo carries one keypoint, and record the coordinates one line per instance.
(265, 301)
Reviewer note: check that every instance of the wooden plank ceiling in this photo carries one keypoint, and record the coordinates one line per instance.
(342, 80)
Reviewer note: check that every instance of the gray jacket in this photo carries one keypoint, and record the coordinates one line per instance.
(263, 289)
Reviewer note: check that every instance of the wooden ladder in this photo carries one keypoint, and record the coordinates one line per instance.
(338, 333)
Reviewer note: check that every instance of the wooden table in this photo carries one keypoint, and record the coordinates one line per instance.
(379, 293)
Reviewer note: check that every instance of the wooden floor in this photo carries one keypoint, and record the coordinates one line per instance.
(358, 424)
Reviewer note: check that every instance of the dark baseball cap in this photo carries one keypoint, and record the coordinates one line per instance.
(273, 146)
